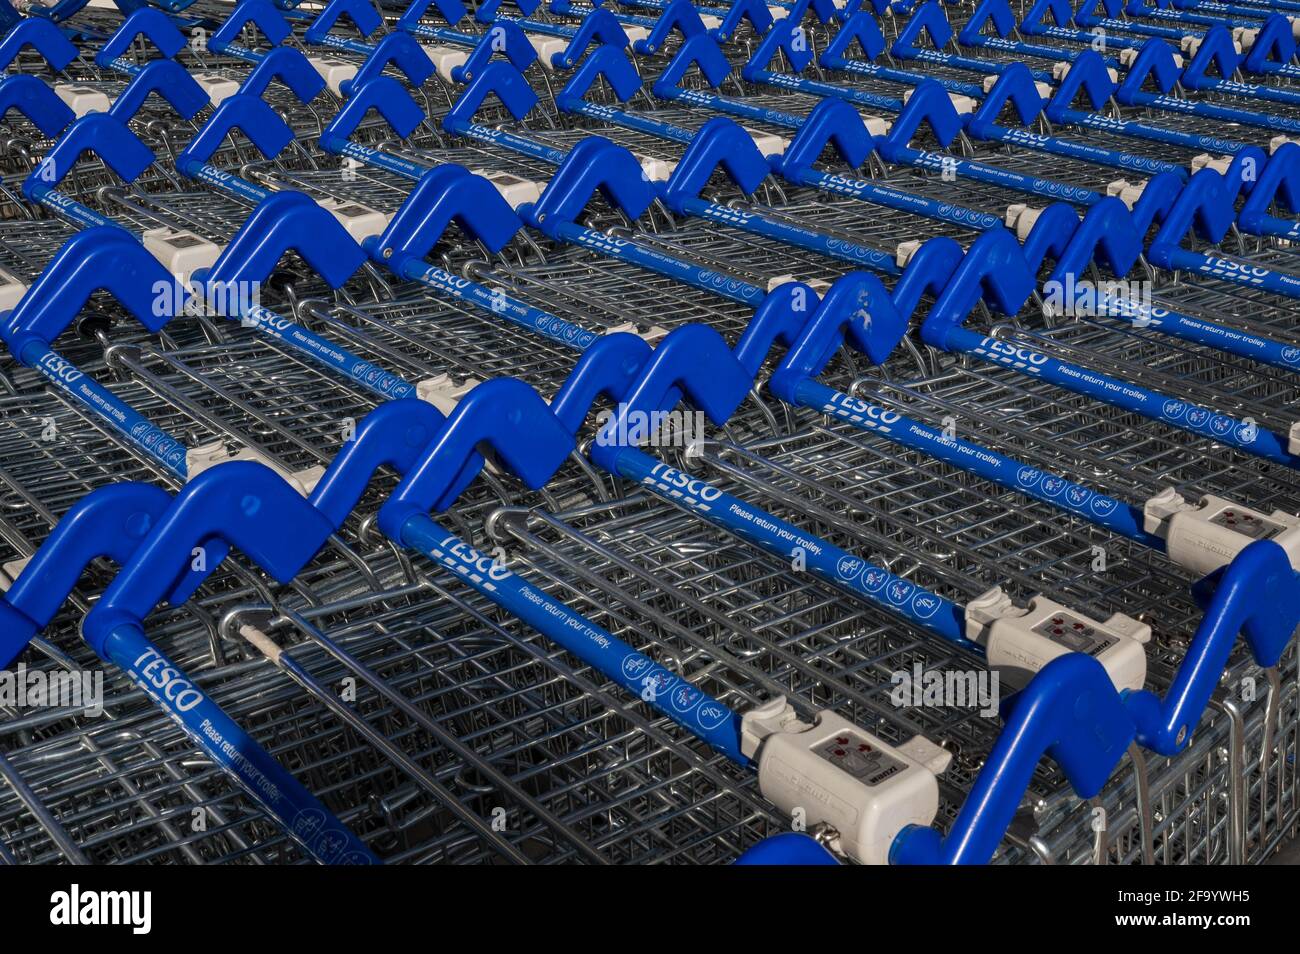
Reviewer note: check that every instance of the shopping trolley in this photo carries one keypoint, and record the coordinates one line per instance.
(1154, 60)
(1009, 95)
(418, 536)
(1199, 413)
(1060, 820)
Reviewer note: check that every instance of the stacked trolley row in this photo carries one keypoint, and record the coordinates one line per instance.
(619, 208)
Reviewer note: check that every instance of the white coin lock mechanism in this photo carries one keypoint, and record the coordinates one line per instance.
(359, 220)
(206, 456)
(219, 88)
(832, 772)
(1207, 535)
(446, 58)
(180, 251)
(82, 99)
(1019, 641)
(11, 290)
(334, 71)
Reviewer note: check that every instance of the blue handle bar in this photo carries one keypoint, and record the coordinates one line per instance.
(1104, 511)
(787, 848)
(1226, 269)
(841, 569)
(625, 250)
(1220, 337)
(982, 172)
(1123, 394)
(134, 427)
(280, 794)
(503, 306)
(673, 696)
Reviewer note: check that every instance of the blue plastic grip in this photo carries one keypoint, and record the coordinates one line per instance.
(785, 36)
(594, 164)
(1045, 717)
(1217, 51)
(1154, 62)
(504, 37)
(396, 49)
(609, 63)
(244, 504)
(1060, 12)
(598, 27)
(1087, 75)
(445, 194)
(385, 96)
(101, 133)
(701, 51)
(148, 22)
(930, 105)
(756, 12)
(290, 67)
(363, 16)
(260, 14)
(787, 848)
(994, 269)
(719, 143)
(452, 11)
(394, 435)
(1257, 594)
(260, 124)
(108, 522)
(39, 34)
(35, 100)
(499, 78)
(169, 80)
(504, 413)
(860, 29)
(286, 221)
(1274, 46)
(996, 13)
(834, 122)
(105, 258)
(679, 15)
(1015, 85)
(929, 19)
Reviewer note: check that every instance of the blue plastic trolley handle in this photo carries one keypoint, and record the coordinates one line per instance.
(693, 709)
(1123, 394)
(824, 560)
(269, 784)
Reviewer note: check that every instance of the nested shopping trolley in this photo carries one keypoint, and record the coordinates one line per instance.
(586, 652)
